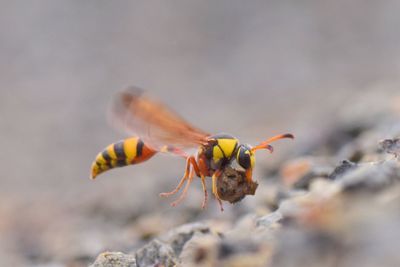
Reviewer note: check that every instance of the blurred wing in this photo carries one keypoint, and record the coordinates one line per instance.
(152, 121)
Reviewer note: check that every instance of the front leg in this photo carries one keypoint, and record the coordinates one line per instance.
(203, 173)
(249, 175)
(215, 176)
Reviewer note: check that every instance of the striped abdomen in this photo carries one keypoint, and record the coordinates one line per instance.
(123, 153)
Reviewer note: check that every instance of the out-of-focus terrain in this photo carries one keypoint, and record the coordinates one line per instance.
(313, 210)
(251, 69)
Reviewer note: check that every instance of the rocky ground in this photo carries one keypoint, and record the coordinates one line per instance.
(335, 203)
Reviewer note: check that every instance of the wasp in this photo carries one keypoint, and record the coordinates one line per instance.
(155, 128)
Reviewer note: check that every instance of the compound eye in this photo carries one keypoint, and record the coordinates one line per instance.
(244, 158)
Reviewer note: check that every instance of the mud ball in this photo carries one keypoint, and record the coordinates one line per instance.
(232, 185)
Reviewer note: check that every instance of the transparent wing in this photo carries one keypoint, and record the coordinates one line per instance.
(155, 123)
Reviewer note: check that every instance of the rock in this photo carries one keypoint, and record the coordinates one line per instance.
(196, 244)
(200, 250)
(233, 187)
(391, 146)
(156, 253)
(114, 259)
(343, 168)
(164, 251)
(345, 230)
(269, 219)
(210, 251)
(178, 237)
(371, 176)
(168, 251)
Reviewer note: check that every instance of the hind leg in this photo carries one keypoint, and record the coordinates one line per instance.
(184, 192)
(184, 178)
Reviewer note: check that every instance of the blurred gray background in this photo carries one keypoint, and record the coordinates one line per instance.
(250, 68)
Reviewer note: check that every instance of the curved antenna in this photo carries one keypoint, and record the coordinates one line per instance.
(265, 144)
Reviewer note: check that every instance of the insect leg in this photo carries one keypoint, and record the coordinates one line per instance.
(203, 173)
(183, 195)
(174, 150)
(203, 183)
(215, 176)
(199, 170)
(184, 178)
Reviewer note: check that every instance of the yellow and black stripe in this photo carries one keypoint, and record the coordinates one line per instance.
(221, 149)
(126, 152)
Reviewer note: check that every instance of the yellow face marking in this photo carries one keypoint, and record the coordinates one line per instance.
(217, 154)
(130, 147)
(227, 146)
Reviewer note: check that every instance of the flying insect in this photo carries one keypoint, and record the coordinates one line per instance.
(155, 128)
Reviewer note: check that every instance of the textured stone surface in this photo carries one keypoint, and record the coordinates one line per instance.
(336, 204)
(114, 259)
(391, 146)
(156, 253)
